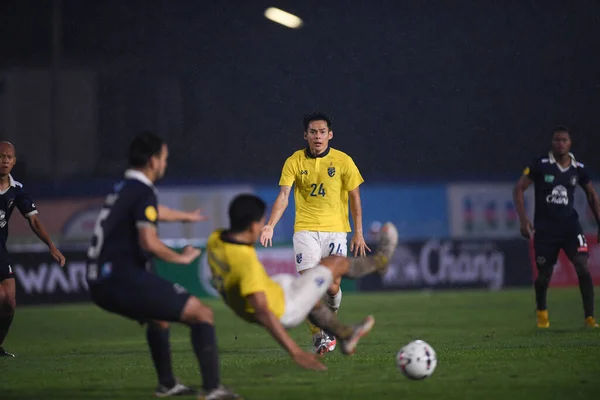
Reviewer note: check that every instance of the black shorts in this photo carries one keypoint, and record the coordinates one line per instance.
(6, 270)
(548, 244)
(141, 296)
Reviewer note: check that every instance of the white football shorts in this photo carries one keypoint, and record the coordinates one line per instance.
(311, 246)
(302, 293)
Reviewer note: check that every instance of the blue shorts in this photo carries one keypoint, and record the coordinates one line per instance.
(140, 295)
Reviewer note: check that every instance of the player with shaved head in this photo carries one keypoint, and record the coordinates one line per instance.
(12, 194)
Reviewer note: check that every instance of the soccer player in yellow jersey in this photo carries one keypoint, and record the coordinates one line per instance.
(284, 301)
(325, 179)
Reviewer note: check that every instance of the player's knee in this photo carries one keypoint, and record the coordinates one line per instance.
(544, 273)
(580, 262)
(8, 305)
(12, 304)
(195, 312)
(335, 287)
(337, 264)
(159, 324)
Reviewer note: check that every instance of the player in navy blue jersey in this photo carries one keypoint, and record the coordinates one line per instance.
(119, 277)
(556, 226)
(12, 194)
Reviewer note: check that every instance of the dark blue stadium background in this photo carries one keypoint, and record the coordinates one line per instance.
(418, 90)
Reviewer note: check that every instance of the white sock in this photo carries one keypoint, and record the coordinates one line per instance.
(333, 302)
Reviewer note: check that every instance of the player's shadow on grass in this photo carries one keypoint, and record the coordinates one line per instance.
(246, 351)
(554, 331)
(141, 350)
(91, 393)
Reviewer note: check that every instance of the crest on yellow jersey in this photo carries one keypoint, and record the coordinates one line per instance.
(331, 171)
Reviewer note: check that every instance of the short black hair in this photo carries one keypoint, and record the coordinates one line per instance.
(244, 210)
(143, 147)
(316, 116)
(561, 128)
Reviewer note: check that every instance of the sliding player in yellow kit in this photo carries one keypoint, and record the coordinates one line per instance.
(283, 301)
(325, 179)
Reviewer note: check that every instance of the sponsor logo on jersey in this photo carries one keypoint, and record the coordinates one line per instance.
(573, 180)
(179, 289)
(548, 178)
(298, 258)
(559, 195)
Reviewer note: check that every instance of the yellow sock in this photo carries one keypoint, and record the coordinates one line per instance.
(313, 328)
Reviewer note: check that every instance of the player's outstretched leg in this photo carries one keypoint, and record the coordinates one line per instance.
(199, 318)
(386, 245)
(318, 338)
(7, 311)
(333, 300)
(586, 287)
(325, 342)
(348, 335)
(323, 317)
(157, 335)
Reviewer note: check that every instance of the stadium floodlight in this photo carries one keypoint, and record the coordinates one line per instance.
(283, 17)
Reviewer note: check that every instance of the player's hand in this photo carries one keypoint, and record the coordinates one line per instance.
(527, 229)
(358, 246)
(189, 254)
(266, 236)
(195, 216)
(309, 361)
(57, 255)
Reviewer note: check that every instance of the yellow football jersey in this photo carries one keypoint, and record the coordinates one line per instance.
(237, 273)
(321, 189)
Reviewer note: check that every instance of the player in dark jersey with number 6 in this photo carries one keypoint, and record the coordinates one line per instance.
(556, 222)
(119, 258)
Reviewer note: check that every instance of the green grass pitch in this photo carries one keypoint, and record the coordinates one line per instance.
(486, 342)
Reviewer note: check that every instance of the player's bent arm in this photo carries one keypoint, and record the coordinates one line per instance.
(35, 223)
(281, 203)
(38, 228)
(356, 210)
(167, 214)
(150, 242)
(266, 318)
(519, 199)
(593, 201)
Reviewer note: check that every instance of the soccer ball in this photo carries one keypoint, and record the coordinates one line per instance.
(417, 360)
